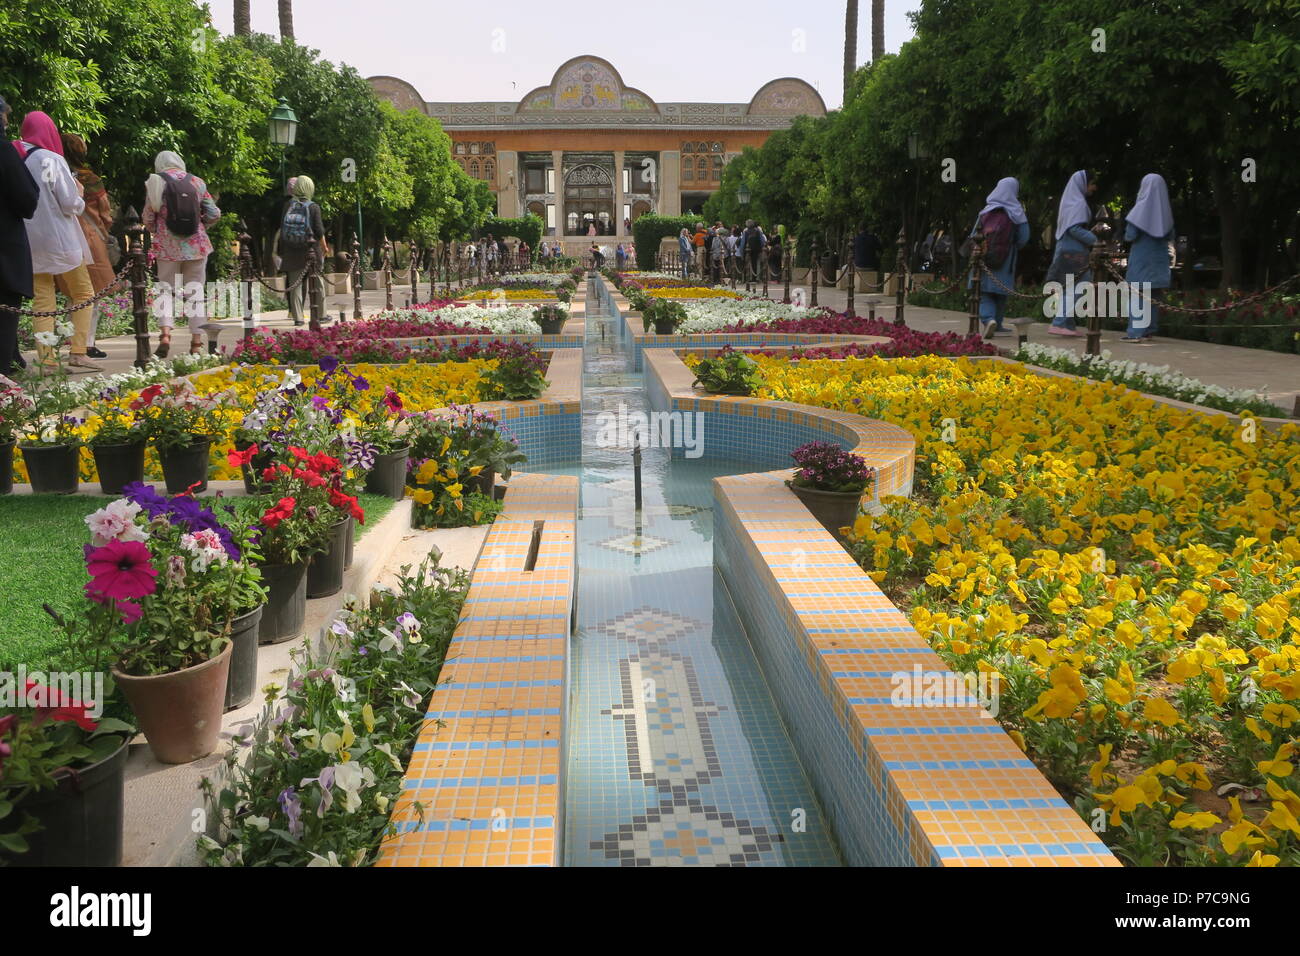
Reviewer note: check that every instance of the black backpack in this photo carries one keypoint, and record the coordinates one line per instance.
(184, 205)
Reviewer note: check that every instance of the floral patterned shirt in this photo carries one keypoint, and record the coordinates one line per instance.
(172, 248)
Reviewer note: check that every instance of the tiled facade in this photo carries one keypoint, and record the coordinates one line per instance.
(488, 765)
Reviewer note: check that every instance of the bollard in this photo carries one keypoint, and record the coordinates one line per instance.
(387, 266)
(900, 276)
(1096, 257)
(246, 279)
(976, 282)
(413, 252)
(139, 286)
(853, 281)
(356, 277)
(785, 269)
(636, 469)
(816, 274)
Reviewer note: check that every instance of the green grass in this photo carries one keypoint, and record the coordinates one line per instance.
(41, 538)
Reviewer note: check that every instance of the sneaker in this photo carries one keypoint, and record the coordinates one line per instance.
(987, 331)
(1061, 330)
(1145, 340)
(1130, 338)
(95, 353)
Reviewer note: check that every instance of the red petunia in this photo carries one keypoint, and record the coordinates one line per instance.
(146, 397)
(299, 453)
(237, 458)
(57, 707)
(323, 463)
(282, 509)
(347, 502)
(309, 478)
(392, 401)
(121, 569)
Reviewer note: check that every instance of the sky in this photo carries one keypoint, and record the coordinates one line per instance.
(672, 50)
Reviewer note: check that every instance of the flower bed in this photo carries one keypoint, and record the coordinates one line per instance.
(313, 781)
(510, 320)
(1127, 569)
(1152, 379)
(366, 341)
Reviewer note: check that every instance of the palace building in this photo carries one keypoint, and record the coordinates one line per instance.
(588, 150)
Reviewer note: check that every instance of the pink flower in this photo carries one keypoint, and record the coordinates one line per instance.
(131, 611)
(121, 569)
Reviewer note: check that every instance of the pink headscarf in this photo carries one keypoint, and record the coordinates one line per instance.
(39, 130)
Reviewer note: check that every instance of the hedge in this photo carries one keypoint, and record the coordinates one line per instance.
(528, 228)
(649, 231)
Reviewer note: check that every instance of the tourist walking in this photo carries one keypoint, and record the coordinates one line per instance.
(300, 226)
(96, 221)
(1005, 229)
(19, 196)
(774, 256)
(718, 252)
(60, 253)
(752, 242)
(620, 256)
(177, 211)
(1074, 242)
(1150, 231)
(700, 239)
(684, 249)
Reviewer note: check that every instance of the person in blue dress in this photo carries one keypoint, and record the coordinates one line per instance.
(1150, 230)
(1074, 242)
(994, 283)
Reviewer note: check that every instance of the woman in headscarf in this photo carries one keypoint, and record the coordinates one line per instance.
(1002, 211)
(301, 224)
(182, 258)
(1150, 229)
(19, 196)
(95, 220)
(60, 253)
(1074, 241)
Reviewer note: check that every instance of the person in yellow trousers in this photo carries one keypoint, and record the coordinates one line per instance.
(96, 221)
(60, 253)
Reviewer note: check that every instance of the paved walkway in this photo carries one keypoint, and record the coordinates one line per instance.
(1273, 374)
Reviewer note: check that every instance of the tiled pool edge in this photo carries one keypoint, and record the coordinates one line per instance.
(975, 798)
(488, 765)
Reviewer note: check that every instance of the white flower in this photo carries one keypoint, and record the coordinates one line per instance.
(261, 824)
(63, 327)
(47, 339)
(318, 860)
(115, 522)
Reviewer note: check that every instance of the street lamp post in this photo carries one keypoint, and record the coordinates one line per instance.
(284, 130)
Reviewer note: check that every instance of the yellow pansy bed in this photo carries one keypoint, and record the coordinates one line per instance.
(422, 386)
(1129, 570)
(690, 292)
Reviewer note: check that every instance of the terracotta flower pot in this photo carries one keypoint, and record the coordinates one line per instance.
(180, 713)
(834, 509)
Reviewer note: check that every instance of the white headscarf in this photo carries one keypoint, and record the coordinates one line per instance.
(1006, 195)
(153, 186)
(1151, 213)
(1074, 208)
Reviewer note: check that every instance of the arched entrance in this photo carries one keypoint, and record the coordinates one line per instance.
(588, 199)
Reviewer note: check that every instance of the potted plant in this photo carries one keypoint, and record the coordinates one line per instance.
(551, 318)
(62, 776)
(15, 411)
(152, 611)
(830, 482)
(664, 315)
(293, 524)
(731, 372)
(117, 441)
(50, 441)
(380, 447)
(519, 375)
(182, 425)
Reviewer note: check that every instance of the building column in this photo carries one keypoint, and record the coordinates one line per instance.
(508, 184)
(618, 192)
(557, 160)
(670, 183)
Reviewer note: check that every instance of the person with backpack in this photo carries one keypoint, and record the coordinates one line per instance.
(300, 226)
(752, 242)
(1005, 229)
(1074, 242)
(60, 254)
(177, 211)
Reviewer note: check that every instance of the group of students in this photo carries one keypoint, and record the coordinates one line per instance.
(55, 222)
(726, 250)
(1149, 230)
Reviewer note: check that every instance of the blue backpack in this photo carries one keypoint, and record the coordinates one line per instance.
(295, 231)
